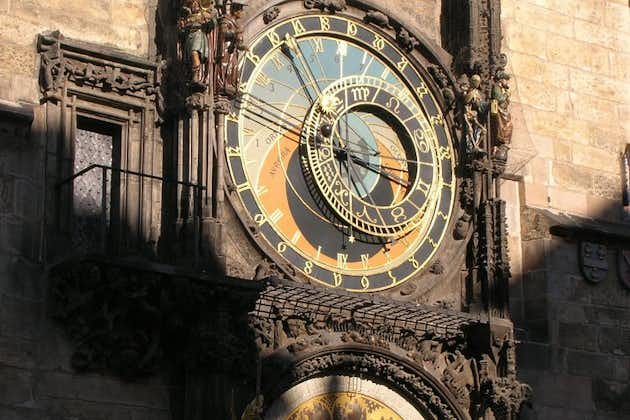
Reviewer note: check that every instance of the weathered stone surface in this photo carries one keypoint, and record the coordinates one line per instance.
(611, 396)
(15, 386)
(578, 336)
(596, 365)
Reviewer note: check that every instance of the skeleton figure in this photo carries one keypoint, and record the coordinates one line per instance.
(195, 24)
(473, 109)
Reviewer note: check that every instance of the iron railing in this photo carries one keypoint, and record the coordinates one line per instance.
(90, 223)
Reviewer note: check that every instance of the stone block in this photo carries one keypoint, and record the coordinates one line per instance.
(150, 415)
(15, 386)
(594, 109)
(603, 315)
(578, 336)
(557, 413)
(557, 126)
(607, 186)
(554, 391)
(23, 279)
(100, 389)
(24, 413)
(65, 409)
(603, 208)
(17, 352)
(542, 19)
(535, 285)
(570, 312)
(607, 37)
(568, 51)
(574, 177)
(617, 16)
(533, 356)
(535, 68)
(594, 365)
(594, 84)
(537, 330)
(533, 255)
(537, 94)
(614, 340)
(620, 64)
(611, 396)
(7, 194)
(536, 195)
(525, 39)
(20, 318)
(568, 201)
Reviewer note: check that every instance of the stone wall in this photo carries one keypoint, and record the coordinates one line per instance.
(571, 94)
(124, 24)
(571, 88)
(36, 379)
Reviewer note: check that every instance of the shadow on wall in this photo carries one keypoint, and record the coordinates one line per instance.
(571, 310)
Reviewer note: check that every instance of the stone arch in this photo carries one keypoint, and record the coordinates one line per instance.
(419, 388)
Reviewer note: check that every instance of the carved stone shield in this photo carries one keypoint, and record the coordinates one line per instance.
(593, 261)
(623, 265)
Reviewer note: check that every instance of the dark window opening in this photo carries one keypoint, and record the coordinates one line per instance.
(95, 191)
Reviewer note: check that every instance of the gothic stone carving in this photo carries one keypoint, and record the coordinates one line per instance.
(593, 261)
(377, 18)
(379, 366)
(129, 321)
(270, 15)
(79, 65)
(330, 6)
(479, 380)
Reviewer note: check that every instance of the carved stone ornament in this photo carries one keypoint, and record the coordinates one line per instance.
(593, 261)
(129, 321)
(292, 337)
(270, 15)
(377, 18)
(330, 6)
(623, 265)
(64, 60)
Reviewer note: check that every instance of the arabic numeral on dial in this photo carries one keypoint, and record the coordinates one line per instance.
(337, 279)
(365, 282)
(308, 267)
(281, 247)
(324, 23)
(274, 38)
(412, 260)
(352, 28)
(378, 43)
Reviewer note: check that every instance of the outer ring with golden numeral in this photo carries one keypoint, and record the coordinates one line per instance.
(291, 227)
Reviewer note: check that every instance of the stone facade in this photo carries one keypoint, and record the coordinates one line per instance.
(569, 62)
(571, 92)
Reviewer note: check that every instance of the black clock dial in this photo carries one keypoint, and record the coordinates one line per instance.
(339, 153)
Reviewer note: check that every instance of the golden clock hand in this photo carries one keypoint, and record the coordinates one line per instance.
(384, 173)
(287, 47)
(369, 196)
(294, 46)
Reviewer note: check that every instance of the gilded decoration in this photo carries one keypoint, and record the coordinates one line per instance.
(343, 406)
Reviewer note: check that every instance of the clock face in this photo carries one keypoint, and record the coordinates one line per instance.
(339, 153)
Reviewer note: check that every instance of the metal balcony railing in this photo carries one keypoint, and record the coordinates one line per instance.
(111, 210)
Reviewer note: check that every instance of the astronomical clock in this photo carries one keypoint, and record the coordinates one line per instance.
(340, 153)
(327, 219)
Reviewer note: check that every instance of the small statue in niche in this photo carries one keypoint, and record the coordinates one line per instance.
(195, 24)
(474, 108)
(229, 44)
(500, 117)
